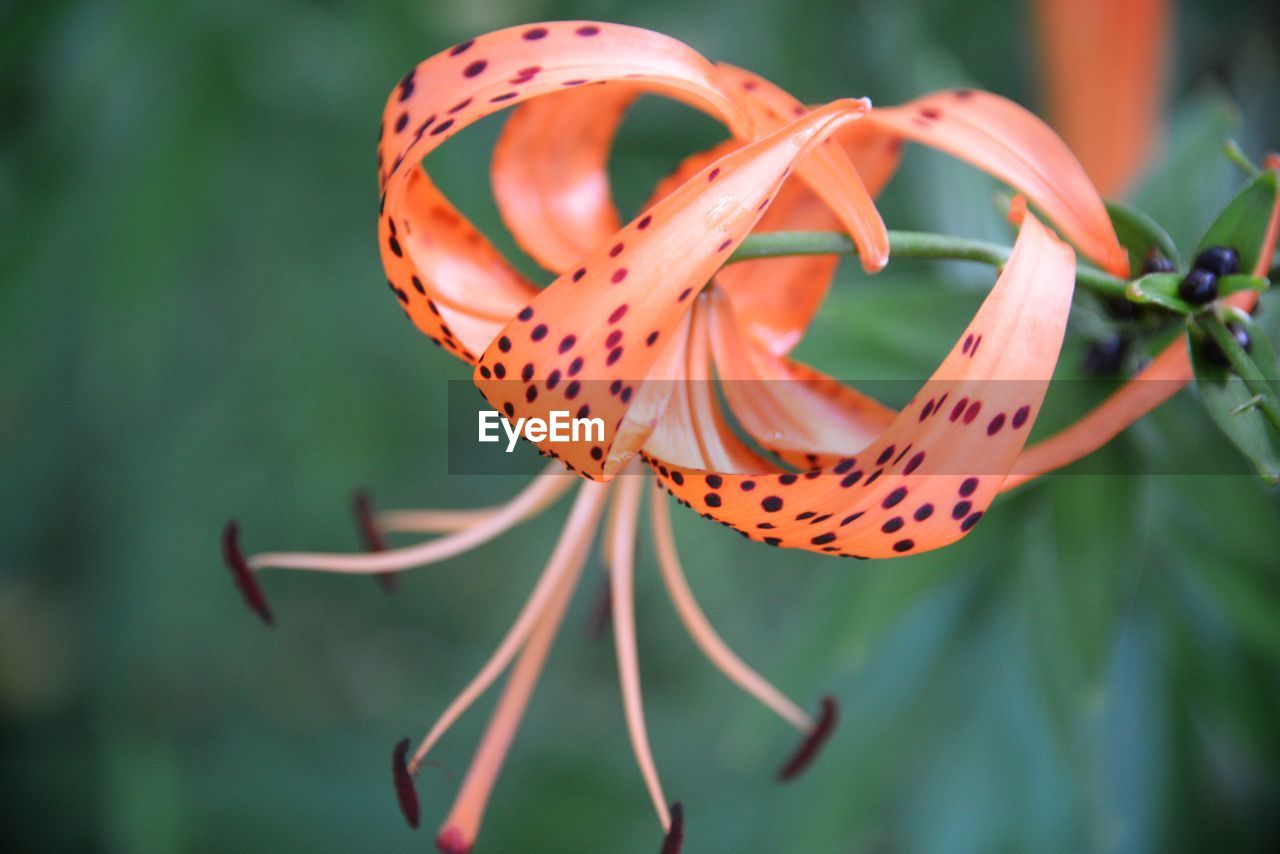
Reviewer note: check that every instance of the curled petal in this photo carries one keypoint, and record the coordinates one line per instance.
(692, 430)
(1103, 61)
(798, 413)
(827, 171)
(550, 172)
(455, 287)
(926, 481)
(448, 279)
(601, 323)
(1002, 138)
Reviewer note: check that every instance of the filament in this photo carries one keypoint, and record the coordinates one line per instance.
(625, 509)
(533, 498)
(564, 565)
(448, 521)
(700, 628)
(462, 824)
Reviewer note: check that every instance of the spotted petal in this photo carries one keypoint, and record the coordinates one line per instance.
(792, 410)
(604, 324)
(692, 431)
(471, 80)
(550, 172)
(1002, 138)
(928, 479)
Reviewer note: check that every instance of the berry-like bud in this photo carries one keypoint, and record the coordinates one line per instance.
(1121, 308)
(1105, 356)
(1214, 353)
(1199, 287)
(1219, 260)
(1156, 263)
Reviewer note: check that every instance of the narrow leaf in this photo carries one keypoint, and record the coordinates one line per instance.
(1230, 401)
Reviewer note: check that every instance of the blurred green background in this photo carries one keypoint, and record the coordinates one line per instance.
(194, 325)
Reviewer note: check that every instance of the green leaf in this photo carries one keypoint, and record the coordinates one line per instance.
(1139, 234)
(1160, 289)
(1242, 225)
(1234, 284)
(1232, 404)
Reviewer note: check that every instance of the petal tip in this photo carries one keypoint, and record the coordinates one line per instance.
(242, 574)
(1018, 210)
(809, 749)
(452, 841)
(406, 793)
(674, 840)
(362, 510)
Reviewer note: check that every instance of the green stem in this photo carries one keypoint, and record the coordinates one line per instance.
(1243, 366)
(906, 244)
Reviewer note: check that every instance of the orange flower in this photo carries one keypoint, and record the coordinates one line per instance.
(631, 331)
(1103, 64)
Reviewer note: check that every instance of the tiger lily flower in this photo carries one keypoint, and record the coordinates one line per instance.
(1103, 64)
(643, 314)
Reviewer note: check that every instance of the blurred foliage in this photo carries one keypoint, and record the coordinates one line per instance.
(193, 324)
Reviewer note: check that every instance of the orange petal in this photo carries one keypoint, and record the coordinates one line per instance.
(1103, 63)
(550, 172)
(800, 414)
(775, 299)
(449, 279)
(928, 479)
(827, 171)
(693, 431)
(1002, 138)
(601, 323)
(459, 86)
(1156, 383)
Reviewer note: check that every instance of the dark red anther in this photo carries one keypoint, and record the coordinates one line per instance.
(406, 794)
(601, 611)
(675, 834)
(808, 749)
(242, 575)
(362, 508)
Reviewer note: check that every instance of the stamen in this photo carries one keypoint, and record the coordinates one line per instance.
(406, 794)
(625, 507)
(808, 749)
(565, 563)
(700, 628)
(460, 827)
(362, 509)
(674, 839)
(533, 498)
(448, 521)
(249, 589)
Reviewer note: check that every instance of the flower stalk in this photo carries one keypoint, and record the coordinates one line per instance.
(908, 244)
